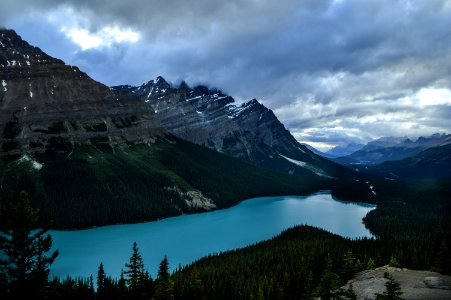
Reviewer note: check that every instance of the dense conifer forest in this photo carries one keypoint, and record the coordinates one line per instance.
(412, 224)
(86, 186)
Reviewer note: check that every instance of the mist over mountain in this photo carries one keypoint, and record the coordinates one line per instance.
(344, 150)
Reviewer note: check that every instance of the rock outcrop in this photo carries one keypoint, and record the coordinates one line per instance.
(48, 105)
(423, 285)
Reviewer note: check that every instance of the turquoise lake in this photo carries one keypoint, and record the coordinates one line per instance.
(186, 238)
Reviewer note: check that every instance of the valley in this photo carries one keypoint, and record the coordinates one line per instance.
(104, 167)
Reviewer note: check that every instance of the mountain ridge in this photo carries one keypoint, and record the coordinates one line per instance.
(48, 105)
(249, 131)
(90, 155)
(393, 148)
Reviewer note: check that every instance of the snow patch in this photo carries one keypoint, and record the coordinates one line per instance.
(235, 111)
(34, 163)
(3, 45)
(190, 99)
(28, 63)
(303, 164)
(31, 94)
(4, 84)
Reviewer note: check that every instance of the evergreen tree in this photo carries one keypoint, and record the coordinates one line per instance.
(139, 283)
(349, 266)
(393, 289)
(91, 285)
(329, 286)
(371, 264)
(393, 262)
(26, 266)
(135, 269)
(100, 282)
(164, 289)
(122, 286)
(349, 293)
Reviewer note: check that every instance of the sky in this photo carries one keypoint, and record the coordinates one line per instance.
(333, 71)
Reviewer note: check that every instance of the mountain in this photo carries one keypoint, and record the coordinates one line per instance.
(249, 131)
(431, 163)
(89, 155)
(46, 105)
(344, 150)
(393, 148)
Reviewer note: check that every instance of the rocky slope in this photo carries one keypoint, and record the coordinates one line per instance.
(249, 131)
(48, 105)
(422, 285)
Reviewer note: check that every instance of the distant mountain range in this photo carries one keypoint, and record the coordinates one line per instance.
(393, 148)
(434, 162)
(348, 149)
(400, 157)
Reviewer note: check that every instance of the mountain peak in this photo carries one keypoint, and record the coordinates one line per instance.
(183, 85)
(15, 52)
(253, 102)
(160, 80)
(48, 105)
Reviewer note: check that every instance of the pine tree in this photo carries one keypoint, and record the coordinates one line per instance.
(122, 285)
(100, 282)
(393, 262)
(329, 286)
(25, 245)
(349, 266)
(164, 289)
(393, 289)
(139, 283)
(135, 269)
(371, 264)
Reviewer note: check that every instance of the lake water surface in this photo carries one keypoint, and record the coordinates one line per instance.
(189, 237)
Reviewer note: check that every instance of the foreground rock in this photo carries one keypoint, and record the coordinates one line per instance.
(414, 284)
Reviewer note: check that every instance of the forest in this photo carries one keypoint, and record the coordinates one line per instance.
(412, 227)
(141, 183)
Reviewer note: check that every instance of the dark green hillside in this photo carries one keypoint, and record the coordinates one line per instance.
(294, 265)
(89, 187)
(410, 208)
(431, 163)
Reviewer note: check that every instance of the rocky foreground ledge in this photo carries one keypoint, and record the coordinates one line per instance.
(414, 284)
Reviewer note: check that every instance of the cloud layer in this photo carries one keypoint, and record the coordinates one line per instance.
(333, 71)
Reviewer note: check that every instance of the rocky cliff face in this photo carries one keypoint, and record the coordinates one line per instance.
(48, 105)
(249, 131)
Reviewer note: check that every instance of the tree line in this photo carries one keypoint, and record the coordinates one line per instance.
(301, 263)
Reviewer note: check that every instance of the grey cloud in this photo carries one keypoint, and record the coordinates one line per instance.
(334, 61)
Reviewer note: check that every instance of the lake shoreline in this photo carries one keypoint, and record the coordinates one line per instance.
(184, 239)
